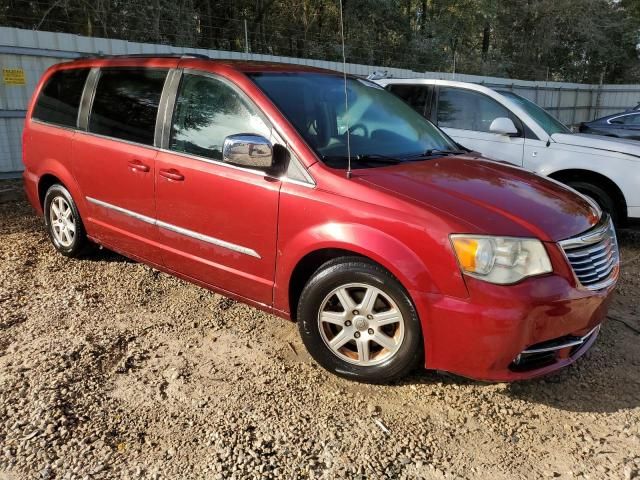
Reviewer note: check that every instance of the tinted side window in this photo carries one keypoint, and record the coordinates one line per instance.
(414, 95)
(59, 99)
(626, 120)
(467, 110)
(206, 112)
(126, 104)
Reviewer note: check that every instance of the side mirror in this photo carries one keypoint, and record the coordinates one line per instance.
(503, 126)
(248, 150)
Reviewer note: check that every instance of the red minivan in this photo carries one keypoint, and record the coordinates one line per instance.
(323, 200)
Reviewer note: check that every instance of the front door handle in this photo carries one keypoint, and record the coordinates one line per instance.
(171, 174)
(137, 165)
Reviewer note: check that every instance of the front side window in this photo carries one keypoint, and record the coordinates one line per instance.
(468, 110)
(543, 118)
(207, 111)
(373, 127)
(59, 99)
(126, 103)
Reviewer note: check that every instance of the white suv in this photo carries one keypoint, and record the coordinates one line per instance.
(504, 126)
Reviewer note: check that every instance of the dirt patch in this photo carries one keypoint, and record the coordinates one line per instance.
(110, 369)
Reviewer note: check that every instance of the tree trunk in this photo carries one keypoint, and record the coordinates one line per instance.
(486, 40)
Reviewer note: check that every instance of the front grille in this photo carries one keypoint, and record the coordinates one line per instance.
(594, 255)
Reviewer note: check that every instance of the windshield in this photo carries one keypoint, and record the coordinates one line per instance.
(383, 129)
(546, 121)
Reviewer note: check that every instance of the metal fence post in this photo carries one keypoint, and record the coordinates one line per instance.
(575, 107)
(598, 98)
(589, 117)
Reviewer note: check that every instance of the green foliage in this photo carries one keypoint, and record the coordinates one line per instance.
(569, 40)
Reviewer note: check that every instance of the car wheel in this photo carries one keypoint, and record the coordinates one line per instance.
(357, 321)
(63, 222)
(599, 196)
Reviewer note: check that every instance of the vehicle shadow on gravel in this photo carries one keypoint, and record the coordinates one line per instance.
(605, 380)
(104, 255)
(17, 216)
(603, 394)
(567, 390)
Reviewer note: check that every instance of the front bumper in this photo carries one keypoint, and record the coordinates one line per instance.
(486, 335)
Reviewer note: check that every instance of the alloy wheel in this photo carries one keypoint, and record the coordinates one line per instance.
(361, 324)
(63, 224)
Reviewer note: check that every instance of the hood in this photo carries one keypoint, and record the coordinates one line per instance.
(497, 199)
(619, 145)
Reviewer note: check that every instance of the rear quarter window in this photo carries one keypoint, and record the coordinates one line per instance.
(414, 95)
(59, 99)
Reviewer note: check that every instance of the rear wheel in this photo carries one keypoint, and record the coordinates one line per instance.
(600, 196)
(357, 321)
(63, 222)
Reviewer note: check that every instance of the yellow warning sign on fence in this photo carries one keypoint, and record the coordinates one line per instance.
(13, 76)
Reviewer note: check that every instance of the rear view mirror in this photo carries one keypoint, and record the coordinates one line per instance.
(248, 150)
(503, 126)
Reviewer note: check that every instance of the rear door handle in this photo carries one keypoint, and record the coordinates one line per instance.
(137, 165)
(172, 174)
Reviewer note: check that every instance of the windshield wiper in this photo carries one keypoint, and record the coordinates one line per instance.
(367, 158)
(432, 152)
(376, 158)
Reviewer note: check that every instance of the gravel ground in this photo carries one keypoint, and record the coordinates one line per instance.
(110, 369)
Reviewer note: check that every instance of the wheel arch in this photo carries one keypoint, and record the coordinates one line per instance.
(319, 245)
(53, 171)
(45, 182)
(597, 179)
(307, 266)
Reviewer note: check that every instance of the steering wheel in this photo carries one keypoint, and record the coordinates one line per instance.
(359, 126)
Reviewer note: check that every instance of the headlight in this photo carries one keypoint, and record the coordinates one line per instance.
(500, 260)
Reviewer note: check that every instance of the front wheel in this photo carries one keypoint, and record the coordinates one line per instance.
(357, 321)
(600, 196)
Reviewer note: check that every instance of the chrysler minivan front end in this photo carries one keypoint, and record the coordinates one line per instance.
(536, 262)
(535, 325)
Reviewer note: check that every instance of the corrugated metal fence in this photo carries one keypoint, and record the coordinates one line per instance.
(32, 52)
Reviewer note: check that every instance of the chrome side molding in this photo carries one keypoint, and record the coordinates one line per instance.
(174, 228)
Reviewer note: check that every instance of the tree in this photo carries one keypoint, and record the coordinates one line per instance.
(571, 40)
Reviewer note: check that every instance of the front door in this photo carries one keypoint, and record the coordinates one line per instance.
(217, 222)
(466, 116)
(114, 161)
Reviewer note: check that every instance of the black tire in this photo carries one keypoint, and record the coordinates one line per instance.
(604, 200)
(356, 270)
(79, 242)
